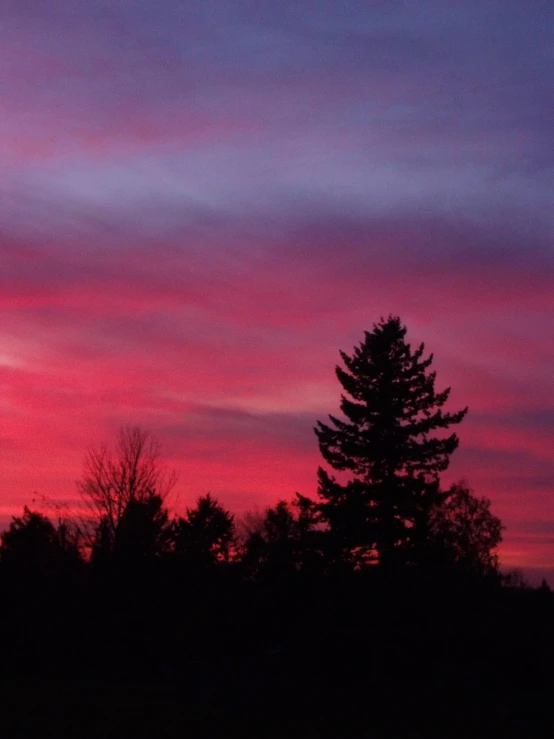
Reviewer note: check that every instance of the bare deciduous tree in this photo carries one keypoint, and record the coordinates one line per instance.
(131, 470)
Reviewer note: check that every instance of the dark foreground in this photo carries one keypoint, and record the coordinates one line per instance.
(350, 657)
(87, 709)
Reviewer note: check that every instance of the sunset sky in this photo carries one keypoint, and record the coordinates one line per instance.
(202, 202)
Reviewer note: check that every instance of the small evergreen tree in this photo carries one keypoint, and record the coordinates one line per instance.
(393, 445)
(282, 541)
(206, 534)
(144, 531)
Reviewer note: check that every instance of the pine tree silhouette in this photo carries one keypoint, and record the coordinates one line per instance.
(389, 444)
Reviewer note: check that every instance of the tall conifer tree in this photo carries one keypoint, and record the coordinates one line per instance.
(390, 445)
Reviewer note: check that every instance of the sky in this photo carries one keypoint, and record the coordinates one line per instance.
(202, 203)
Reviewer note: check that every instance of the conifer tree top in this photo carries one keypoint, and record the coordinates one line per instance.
(391, 409)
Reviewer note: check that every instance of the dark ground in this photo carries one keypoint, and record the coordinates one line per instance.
(273, 696)
(352, 659)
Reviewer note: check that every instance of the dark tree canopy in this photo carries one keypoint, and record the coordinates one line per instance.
(34, 545)
(393, 441)
(464, 532)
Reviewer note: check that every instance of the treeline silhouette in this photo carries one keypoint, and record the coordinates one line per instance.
(377, 609)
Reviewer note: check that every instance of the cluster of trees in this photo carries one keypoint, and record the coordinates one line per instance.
(388, 507)
(381, 590)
